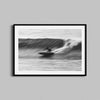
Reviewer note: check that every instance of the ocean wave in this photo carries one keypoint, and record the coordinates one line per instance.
(63, 49)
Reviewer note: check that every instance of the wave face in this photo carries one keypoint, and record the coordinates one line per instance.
(40, 43)
(64, 49)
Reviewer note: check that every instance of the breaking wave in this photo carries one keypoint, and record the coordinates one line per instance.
(64, 49)
(68, 46)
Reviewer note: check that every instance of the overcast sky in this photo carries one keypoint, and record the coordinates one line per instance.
(50, 33)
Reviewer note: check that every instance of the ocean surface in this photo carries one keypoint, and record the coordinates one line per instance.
(31, 60)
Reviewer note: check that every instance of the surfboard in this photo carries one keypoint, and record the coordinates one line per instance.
(46, 53)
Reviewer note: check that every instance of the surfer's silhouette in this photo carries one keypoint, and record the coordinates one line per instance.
(46, 53)
(48, 49)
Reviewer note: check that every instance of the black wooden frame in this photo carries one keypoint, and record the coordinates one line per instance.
(13, 50)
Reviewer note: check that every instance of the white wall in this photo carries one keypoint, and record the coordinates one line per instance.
(49, 12)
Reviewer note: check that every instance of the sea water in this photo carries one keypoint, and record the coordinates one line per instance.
(30, 60)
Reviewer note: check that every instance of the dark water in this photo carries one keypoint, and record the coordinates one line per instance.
(30, 60)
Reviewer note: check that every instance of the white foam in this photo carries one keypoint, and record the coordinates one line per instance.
(69, 43)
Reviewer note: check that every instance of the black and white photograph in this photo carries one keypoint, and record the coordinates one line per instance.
(49, 49)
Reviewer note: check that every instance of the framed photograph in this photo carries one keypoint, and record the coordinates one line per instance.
(49, 49)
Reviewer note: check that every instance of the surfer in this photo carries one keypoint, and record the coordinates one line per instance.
(48, 49)
(47, 53)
